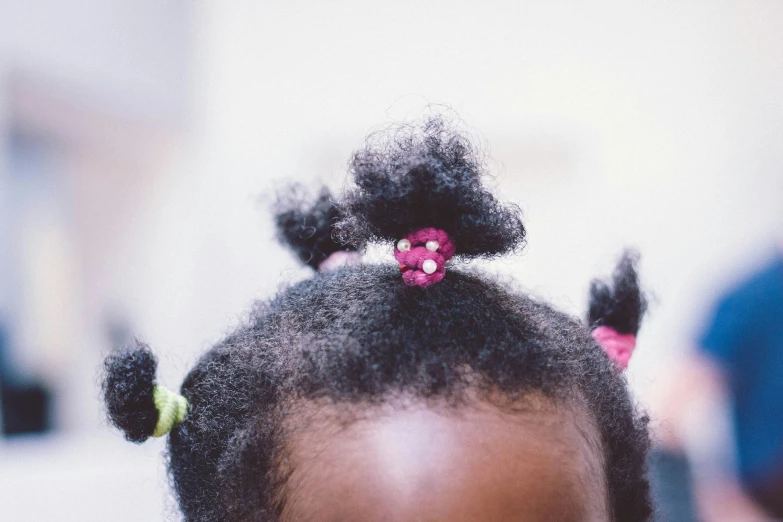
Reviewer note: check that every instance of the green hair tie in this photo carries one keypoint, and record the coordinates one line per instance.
(171, 407)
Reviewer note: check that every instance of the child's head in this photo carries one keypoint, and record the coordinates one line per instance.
(364, 394)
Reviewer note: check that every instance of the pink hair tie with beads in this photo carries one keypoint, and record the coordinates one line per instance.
(619, 347)
(422, 256)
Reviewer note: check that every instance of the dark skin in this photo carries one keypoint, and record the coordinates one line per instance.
(409, 461)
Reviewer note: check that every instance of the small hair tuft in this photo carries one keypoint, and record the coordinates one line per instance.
(306, 226)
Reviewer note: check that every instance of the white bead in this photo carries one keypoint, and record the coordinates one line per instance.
(403, 245)
(432, 246)
(429, 266)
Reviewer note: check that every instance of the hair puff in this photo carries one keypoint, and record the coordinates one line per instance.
(128, 391)
(621, 305)
(306, 226)
(426, 175)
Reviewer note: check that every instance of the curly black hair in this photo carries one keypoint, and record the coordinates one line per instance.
(622, 305)
(358, 335)
(307, 227)
(417, 176)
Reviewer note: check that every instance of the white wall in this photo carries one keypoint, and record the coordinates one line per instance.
(127, 55)
(612, 123)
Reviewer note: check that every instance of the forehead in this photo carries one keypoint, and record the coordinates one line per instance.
(434, 463)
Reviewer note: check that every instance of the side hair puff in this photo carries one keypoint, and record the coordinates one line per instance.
(615, 311)
(136, 405)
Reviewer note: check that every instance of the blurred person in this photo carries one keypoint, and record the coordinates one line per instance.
(737, 368)
(404, 391)
(671, 483)
(25, 403)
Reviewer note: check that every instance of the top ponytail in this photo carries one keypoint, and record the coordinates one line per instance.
(427, 176)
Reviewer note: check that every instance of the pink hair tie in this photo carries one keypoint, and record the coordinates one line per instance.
(339, 259)
(422, 256)
(619, 347)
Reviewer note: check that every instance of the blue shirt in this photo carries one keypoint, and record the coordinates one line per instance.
(746, 339)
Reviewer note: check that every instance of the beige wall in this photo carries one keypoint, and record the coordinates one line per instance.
(104, 86)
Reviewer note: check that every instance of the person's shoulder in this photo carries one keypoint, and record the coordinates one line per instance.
(761, 286)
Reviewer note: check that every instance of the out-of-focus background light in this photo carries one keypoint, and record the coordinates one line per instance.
(140, 141)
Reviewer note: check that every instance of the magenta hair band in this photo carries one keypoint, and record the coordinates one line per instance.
(619, 347)
(422, 255)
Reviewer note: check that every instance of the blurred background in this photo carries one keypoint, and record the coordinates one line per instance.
(141, 141)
